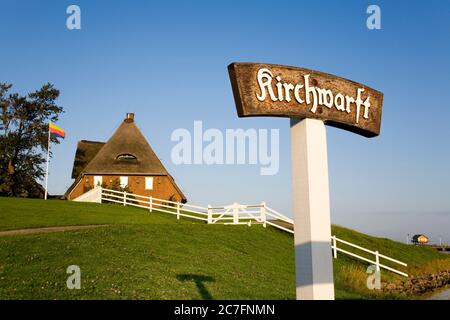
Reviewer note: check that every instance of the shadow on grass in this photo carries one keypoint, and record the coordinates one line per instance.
(199, 281)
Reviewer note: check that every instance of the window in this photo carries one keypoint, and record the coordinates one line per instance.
(97, 181)
(126, 157)
(148, 183)
(123, 182)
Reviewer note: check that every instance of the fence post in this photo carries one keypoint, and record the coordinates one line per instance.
(209, 214)
(263, 213)
(124, 198)
(334, 247)
(235, 213)
(151, 204)
(377, 261)
(178, 210)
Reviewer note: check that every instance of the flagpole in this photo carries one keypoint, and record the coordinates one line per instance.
(48, 159)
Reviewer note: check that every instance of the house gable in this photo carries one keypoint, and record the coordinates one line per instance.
(126, 153)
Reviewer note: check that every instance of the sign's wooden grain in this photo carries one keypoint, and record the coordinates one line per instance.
(283, 91)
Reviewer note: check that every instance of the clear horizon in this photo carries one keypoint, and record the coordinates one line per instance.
(167, 63)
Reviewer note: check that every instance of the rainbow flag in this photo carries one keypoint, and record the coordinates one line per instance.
(56, 131)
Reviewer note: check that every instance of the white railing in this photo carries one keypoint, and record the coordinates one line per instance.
(377, 255)
(150, 203)
(236, 214)
(232, 214)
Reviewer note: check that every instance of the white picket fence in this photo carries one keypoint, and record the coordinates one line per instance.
(236, 214)
(232, 214)
(376, 254)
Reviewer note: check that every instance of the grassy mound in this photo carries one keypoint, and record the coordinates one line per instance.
(143, 255)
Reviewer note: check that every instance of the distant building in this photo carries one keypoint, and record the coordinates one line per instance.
(126, 161)
(420, 239)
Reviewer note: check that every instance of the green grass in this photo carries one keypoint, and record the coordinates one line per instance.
(350, 274)
(143, 255)
(32, 213)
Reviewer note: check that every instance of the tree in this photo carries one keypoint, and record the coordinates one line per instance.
(23, 138)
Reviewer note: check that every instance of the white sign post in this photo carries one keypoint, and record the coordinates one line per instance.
(318, 98)
(312, 225)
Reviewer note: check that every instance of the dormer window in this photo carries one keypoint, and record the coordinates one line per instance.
(126, 157)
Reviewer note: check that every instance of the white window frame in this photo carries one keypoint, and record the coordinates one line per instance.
(98, 180)
(148, 183)
(123, 182)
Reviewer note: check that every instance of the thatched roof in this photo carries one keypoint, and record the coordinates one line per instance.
(86, 151)
(126, 152)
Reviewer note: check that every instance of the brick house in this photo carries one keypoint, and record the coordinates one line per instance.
(125, 160)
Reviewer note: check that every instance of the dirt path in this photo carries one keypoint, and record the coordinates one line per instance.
(20, 232)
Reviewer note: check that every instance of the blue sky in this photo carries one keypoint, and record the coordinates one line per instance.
(167, 63)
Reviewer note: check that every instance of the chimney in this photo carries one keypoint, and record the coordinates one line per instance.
(130, 117)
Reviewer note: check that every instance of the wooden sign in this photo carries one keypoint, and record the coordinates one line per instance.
(283, 91)
(311, 99)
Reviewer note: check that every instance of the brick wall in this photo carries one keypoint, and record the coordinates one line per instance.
(163, 187)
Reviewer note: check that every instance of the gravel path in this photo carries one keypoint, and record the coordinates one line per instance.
(21, 232)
